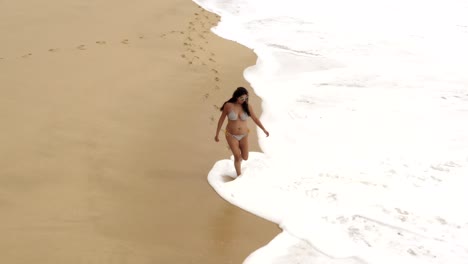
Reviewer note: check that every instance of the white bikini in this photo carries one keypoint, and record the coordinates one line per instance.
(233, 116)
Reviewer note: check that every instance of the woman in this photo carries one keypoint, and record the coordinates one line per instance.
(238, 111)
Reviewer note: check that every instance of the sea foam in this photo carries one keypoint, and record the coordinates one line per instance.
(366, 103)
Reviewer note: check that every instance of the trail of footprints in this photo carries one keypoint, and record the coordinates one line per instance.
(194, 40)
(80, 47)
(196, 53)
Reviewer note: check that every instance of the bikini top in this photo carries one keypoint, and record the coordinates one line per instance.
(233, 116)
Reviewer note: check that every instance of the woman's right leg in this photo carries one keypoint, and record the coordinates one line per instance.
(234, 145)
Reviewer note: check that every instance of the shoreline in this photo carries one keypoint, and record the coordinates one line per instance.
(109, 119)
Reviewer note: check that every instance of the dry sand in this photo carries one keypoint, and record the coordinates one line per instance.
(107, 122)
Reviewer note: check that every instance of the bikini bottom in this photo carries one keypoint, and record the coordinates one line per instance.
(238, 137)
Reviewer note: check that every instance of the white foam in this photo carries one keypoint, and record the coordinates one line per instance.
(367, 105)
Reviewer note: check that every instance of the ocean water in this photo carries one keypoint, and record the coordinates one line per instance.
(366, 103)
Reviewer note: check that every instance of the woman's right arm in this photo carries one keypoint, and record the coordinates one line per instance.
(220, 122)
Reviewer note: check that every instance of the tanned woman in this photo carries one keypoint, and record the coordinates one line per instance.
(238, 111)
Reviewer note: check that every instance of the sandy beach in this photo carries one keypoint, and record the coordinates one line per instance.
(108, 111)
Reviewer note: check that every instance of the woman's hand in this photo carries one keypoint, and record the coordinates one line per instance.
(266, 132)
(216, 138)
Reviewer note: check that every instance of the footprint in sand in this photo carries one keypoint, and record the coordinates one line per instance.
(183, 56)
(166, 34)
(206, 95)
(99, 42)
(217, 87)
(216, 107)
(215, 71)
(216, 79)
(210, 59)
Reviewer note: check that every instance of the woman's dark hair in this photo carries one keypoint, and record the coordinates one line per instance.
(240, 91)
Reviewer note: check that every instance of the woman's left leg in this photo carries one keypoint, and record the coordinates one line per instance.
(236, 152)
(244, 147)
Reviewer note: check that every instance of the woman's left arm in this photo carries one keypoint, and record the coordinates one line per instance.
(257, 121)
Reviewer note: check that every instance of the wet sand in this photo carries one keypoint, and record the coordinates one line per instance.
(108, 116)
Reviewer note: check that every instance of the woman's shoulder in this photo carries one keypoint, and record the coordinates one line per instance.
(229, 105)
